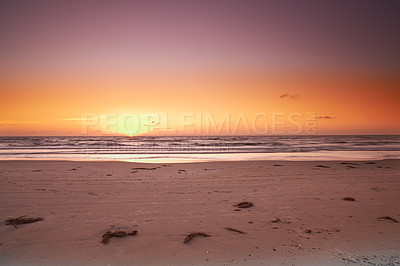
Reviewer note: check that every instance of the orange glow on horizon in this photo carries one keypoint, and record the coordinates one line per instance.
(352, 104)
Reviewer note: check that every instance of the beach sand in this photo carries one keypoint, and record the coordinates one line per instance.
(299, 215)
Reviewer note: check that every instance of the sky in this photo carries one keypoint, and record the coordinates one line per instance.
(170, 67)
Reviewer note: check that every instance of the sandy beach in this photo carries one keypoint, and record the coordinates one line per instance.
(299, 214)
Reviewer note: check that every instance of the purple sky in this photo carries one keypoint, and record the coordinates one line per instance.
(118, 35)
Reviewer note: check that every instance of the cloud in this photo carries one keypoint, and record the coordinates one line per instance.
(326, 117)
(7, 125)
(291, 96)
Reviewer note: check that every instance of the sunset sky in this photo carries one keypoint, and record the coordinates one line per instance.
(62, 61)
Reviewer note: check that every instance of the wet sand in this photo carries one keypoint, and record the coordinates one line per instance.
(299, 215)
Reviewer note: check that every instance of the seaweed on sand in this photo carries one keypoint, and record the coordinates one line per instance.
(234, 230)
(23, 220)
(349, 199)
(244, 204)
(190, 237)
(382, 218)
(116, 233)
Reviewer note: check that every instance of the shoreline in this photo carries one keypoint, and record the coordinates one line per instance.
(189, 162)
(223, 157)
(80, 200)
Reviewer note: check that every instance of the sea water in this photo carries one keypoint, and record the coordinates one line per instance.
(202, 148)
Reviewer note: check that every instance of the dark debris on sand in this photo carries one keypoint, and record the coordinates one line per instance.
(277, 220)
(23, 220)
(190, 237)
(349, 199)
(350, 163)
(322, 166)
(234, 230)
(116, 233)
(144, 168)
(378, 189)
(244, 204)
(382, 218)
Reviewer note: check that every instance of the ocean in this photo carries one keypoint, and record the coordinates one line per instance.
(162, 149)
